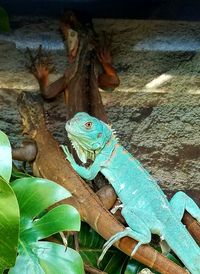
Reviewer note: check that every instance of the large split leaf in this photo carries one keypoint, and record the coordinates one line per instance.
(9, 225)
(51, 223)
(48, 258)
(5, 157)
(34, 196)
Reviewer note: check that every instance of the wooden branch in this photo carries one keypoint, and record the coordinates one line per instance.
(93, 270)
(193, 226)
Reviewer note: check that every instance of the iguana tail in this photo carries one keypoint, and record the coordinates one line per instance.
(183, 245)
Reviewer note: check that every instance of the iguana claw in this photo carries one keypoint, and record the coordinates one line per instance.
(126, 233)
(68, 155)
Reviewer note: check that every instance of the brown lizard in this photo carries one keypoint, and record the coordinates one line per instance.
(50, 163)
(90, 67)
(81, 81)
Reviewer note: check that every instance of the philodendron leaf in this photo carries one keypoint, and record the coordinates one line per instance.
(34, 196)
(68, 260)
(48, 258)
(60, 218)
(27, 263)
(5, 157)
(9, 225)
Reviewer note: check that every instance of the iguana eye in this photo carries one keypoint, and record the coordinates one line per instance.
(88, 125)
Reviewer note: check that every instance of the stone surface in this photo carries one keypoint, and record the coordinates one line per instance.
(155, 110)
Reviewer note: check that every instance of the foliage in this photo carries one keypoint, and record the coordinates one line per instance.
(134, 267)
(91, 244)
(9, 225)
(34, 196)
(9, 210)
(31, 197)
(114, 262)
(4, 20)
(5, 157)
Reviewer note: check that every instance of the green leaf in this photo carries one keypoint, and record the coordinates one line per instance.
(49, 258)
(35, 195)
(5, 157)
(133, 267)
(27, 263)
(9, 225)
(91, 247)
(17, 174)
(4, 20)
(117, 263)
(50, 223)
(68, 261)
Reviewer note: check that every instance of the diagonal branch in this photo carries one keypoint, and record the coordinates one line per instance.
(50, 163)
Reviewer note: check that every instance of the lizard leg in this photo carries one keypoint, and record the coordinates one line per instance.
(112, 240)
(181, 202)
(108, 79)
(138, 231)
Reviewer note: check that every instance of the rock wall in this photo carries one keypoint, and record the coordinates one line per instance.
(156, 109)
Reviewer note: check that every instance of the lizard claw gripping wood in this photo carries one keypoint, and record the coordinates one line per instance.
(50, 163)
(145, 207)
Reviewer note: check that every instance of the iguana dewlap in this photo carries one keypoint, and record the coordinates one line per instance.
(145, 207)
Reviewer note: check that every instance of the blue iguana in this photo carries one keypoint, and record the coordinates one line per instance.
(144, 205)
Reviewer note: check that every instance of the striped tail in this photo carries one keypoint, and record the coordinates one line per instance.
(182, 243)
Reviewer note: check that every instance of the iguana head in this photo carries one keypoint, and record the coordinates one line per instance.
(88, 135)
(69, 27)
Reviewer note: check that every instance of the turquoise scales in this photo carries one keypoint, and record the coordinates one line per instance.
(144, 205)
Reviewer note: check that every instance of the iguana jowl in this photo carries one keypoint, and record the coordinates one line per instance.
(145, 207)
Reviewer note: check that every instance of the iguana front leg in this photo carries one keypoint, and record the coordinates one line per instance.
(139, 231)
(108, 79)
(41, 66)
(86, 173)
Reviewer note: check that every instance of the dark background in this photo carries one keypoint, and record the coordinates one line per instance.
(134, 9)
